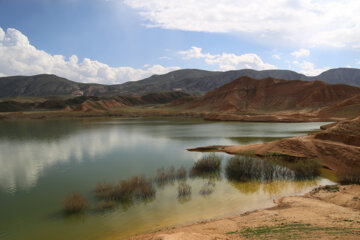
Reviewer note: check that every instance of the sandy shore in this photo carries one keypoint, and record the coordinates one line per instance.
(324, 213)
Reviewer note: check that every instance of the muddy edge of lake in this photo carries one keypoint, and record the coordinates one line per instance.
(315, 215)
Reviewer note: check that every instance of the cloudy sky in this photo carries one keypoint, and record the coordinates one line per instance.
(114, 41)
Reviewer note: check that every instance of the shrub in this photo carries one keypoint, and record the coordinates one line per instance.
(303, 168)
(136, 187)
(104, 191)
(106, 204)
(184, 190)
(349, 176)
(181, 173)
(208, 164)
(163, 176)
(207, 188)
(75, 203)
(246, 168)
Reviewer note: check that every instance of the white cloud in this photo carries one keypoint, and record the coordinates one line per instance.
(19, 57)
(276, 56)
(301, 53)
(309, 69)
(228, 61)
(334, 23)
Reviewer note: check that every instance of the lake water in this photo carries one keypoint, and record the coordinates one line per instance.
(41, 162)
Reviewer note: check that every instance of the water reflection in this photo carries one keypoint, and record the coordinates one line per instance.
(23, 161)
(275, 188)
(56, 158)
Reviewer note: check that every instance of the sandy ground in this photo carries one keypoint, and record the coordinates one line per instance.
(332, 213)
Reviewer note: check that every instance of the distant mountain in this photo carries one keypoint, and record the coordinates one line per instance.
(192, 81)
(349, 76)
(267, 95)
(92, 103)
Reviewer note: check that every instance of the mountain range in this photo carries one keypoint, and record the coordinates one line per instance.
(191, 81)
(246, 95)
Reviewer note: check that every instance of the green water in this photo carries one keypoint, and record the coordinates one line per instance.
(43, 161)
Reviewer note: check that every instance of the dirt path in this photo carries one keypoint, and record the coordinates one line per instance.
(324, 213)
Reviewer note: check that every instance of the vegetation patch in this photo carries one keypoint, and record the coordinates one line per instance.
(184, 190)
(246, 168)
(207, 188)
(330, 188)
(137, 187)
(303, 168)
(106, 204)
(349, 176)
(75, 203)
(208, 164)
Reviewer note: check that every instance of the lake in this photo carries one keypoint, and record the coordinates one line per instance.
(41, 162)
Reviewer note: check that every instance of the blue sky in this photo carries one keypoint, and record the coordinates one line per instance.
(114, 41)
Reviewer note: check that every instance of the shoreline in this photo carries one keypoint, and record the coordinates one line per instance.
(207, 116)
(315, 215)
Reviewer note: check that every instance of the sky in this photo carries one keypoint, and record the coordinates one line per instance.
(115, 41)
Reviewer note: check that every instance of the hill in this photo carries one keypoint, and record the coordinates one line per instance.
(92, 103)
(248, 95)
(192, 81)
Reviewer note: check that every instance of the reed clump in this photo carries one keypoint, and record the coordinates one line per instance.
(304, 168)
(349, 176)
(207, 188)
(164, 176)
(181, 173)
(246, 168)
(75, 203)
(106, 204)
(208, 164)
(184, 190)
(137, 187)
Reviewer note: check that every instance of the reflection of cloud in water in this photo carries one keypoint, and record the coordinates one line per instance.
(22, 162)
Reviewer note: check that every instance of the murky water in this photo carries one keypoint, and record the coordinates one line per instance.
(43, 161)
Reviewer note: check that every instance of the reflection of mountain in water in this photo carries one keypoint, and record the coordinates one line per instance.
(27, 150)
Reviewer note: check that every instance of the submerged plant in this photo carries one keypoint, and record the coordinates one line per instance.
(304, 168)
(245, 168)
(181, 173)
(349, 176)
(207, 188)
(163, 176)
(184, 190)
(210, 163)
(137, 187)
(75, 203)
(106, 204)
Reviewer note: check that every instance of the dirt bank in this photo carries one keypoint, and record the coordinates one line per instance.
(324, 213)
(336, 147)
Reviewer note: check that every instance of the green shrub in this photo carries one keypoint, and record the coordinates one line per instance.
(75, 203)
